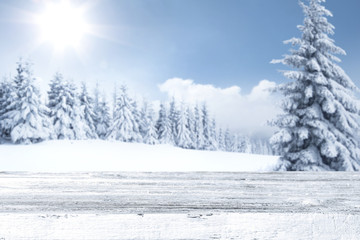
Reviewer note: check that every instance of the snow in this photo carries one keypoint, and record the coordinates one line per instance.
(100, 155)
(190, 205)
(180, 226)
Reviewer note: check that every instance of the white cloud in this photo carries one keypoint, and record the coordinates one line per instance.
(247, 113)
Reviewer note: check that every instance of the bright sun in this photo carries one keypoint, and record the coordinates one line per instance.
(63, 25)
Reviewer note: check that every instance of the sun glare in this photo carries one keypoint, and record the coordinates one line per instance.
(63, 25)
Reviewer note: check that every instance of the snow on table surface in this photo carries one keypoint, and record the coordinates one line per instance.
(179, 205)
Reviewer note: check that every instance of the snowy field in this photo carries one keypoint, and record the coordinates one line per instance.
(98, 155)
(179, 205)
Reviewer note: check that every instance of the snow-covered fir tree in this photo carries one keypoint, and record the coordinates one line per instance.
(25, 117)
(198, 129)
(96, 95)
(173, 116)
(125, 127)
(137, 117)
(163, 126)
(221, 140)
(7, 96)
(213, 136)
(87, 107)
(3, 87)
(241, 143)
(183, 138)
(55, 87)
(148, 124)
(103, 118)
(209, 142)
(256, 146)
(190, 125)
(261, 146)
(114, 100)
(206, 125)
(142, 118)
(96, 108)
(235, 147)
(228, 141)
(318, 130)
(247, 145)
(65, 112)
(235, 142)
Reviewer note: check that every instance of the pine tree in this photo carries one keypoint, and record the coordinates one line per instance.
(114, 101)
(183, 139)
(87, 107)
(228, 141)
(236, 143)
(173, 116)
(247, 145)
(190, 125)
(199, 129)
(124, 128)
(142, 118)
(213, 136)
(65, 113)
(264, 147)
(97, 111)
(3, 86)
(163, 126)
(256, 146)
(206, 127)
(26, 119)
(209, 138)
(148, 125)
(137, 116)
(7, 96)
(96, 95)
(54, 93)
(242, 142)
(318, 130)
(103, 118)
(221, 140)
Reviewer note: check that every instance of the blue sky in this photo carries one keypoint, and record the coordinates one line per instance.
(223, 43)
(144, 43)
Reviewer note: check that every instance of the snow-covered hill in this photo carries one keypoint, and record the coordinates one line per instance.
(98, 155)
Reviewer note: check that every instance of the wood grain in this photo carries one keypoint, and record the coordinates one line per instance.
(124, 205)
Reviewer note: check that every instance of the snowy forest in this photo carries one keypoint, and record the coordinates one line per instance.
(318, 129)
(69, 113)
